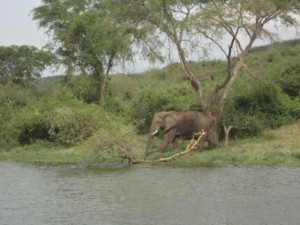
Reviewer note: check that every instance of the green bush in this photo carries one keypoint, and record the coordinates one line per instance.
(13, 97)
(83, 87)
(60, 122)
(263, 106)
(58, 113)
(290, 81)
(72, 125)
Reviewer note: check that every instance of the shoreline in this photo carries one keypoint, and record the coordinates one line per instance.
(279, 148)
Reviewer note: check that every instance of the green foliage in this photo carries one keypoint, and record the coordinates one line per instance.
(47, 85)
(13, 97)
(65, 120)
(70, 125)
(264, 105)
(20, 64)
(272, 148)
(71, 24)
(59, 119)
(258, 100)
(83, 87)
(290, 81)
(141, 97)
(255, 103)
(86, 39)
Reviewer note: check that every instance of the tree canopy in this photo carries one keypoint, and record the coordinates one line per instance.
(191, 24)
(90, 34)
(84, 37)
(20, 64)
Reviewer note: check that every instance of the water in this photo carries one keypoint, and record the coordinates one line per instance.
(144, 195)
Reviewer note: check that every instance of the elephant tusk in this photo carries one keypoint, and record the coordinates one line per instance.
(154, 133)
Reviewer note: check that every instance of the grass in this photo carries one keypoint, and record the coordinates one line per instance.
(105, 146)
(280, 147)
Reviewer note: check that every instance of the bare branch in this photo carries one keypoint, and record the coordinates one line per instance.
(215, 42)
(191, 146)
(249, 71)
(226, 132)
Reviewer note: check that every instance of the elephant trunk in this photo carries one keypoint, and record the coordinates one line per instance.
(149, 143)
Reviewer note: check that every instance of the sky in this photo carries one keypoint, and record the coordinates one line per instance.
(18, 28)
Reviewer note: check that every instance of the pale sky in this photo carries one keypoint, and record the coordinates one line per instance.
(18, 28)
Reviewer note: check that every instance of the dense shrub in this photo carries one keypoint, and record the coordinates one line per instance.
(14, 97)
(264, 106)
(66, 122)
(83, 87)
(71, 125)
(290, 81)
(64, 113)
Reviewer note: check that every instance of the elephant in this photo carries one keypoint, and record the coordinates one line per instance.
(186, 124)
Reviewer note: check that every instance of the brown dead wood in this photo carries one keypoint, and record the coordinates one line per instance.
(191, 145)
(226, 132)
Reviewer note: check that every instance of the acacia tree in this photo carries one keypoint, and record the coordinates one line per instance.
(84, 37)
(231, 25)
(241, 23)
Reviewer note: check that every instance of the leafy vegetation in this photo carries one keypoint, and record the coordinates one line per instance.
(256, 101)
(20, 64)
(290, 81)
(231, 26)
(57, 121)
(272, 148)
(88, 111)
(84, 38)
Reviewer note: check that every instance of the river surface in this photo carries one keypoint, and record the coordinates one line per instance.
(33, 194)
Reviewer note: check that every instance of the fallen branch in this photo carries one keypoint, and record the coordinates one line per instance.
(192, 145)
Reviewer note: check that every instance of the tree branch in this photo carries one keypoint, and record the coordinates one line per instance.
(192, 145)
(226, 132)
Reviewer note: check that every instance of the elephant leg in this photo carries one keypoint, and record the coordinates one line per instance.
(201, 144)
(175, 142)
(168, 138)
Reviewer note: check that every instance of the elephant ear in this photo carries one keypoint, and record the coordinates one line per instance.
(170, 122)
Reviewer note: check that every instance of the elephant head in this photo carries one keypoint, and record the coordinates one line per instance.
(165, 120)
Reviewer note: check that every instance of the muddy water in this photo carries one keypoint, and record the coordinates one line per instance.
(117, 194)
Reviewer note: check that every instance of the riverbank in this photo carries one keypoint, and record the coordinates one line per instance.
(280, 147)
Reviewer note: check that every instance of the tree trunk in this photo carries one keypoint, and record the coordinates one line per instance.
(231, 76)
(104, 82)
(227, 88)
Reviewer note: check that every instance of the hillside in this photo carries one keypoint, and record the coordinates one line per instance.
(261, 91)
(61, 121)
